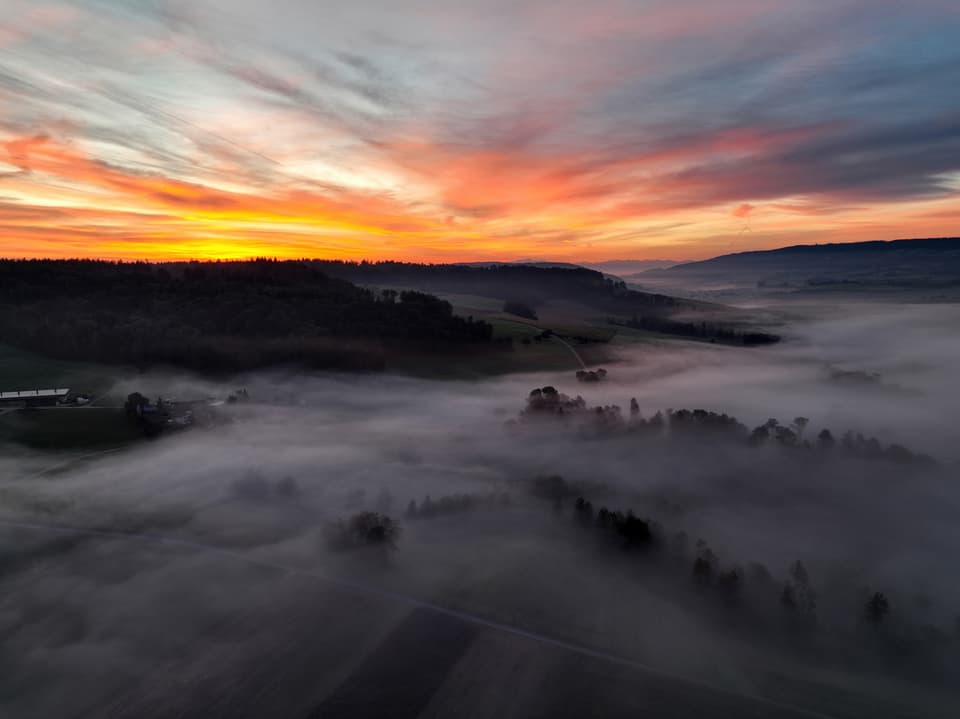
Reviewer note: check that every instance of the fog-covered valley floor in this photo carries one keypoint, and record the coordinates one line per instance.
(199, 574)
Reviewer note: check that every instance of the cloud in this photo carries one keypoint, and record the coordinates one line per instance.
(561, 122)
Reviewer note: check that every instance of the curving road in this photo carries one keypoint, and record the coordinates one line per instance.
(553, 335)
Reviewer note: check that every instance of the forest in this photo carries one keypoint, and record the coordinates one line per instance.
(220, 316)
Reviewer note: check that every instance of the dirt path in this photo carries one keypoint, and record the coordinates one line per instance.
(553, 335)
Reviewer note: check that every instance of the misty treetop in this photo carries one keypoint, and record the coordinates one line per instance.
(363, 529)
(850, 626)
(751, 599)
(453, 504)
(219, 315)
(549, 404)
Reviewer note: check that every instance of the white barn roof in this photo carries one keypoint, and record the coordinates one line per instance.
(28, 393)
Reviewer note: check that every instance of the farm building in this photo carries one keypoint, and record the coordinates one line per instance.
(33, 397)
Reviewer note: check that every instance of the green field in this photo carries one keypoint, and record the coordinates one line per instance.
(104, 424)
(62, 428)
(568, 319)
(21, 369)
(69, 428)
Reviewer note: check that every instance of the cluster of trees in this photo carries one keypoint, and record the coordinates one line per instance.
(219, 315)
(748, 596)
(452, 504)
(364, 529)
(751, 589)
(859, 626)
(851, 443)
(548, 402)
(700, 330)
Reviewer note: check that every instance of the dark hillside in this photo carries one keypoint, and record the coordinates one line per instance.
(529, 284)
(218, 316)
(897, 263)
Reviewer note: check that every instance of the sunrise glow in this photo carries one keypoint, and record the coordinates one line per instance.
(479, 131)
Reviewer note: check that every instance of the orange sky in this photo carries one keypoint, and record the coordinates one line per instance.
(132, 136)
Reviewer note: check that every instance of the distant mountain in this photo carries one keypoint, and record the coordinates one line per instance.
(919, 263)
(629, 267)
(527, 263)
(619, 268)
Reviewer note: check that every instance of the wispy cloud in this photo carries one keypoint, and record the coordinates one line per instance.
(472, 129)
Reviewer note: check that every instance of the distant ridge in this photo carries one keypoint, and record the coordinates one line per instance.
(934, 244)
(613, 268)
(526, 263)
(925, 263)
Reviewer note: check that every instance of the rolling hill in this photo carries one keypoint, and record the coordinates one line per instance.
(914, 263)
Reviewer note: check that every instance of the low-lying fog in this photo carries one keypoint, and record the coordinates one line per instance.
(83, 619)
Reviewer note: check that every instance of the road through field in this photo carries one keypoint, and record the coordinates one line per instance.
(553, 335)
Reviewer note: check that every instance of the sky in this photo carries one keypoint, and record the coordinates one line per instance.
(474, 130)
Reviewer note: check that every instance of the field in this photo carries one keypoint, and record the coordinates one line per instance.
(102, 424)
(20, 369)
(213, 631)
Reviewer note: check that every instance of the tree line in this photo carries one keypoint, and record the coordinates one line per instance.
(710, 331)
(700, 424)
(788, 606)
(866, 626)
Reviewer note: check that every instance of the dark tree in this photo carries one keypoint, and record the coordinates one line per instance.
(584, 511)
(634, 531)
(797, 593)
(825, 439)
(730, 583)
(877, 607)
(799, 425)
(604, 518)
(759, 574)
(365, 529)
(702, 570)
(788, 597)
(704, 564)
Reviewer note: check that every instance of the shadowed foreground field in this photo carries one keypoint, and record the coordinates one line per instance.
(296, 645)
